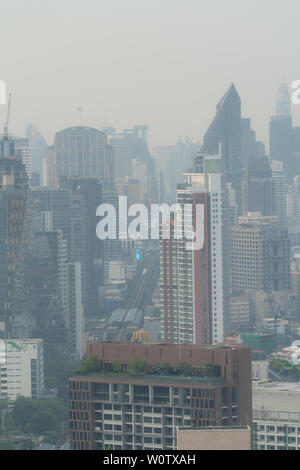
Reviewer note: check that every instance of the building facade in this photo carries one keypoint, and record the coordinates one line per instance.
(194, 283)
(22, 374)
(142, 411)
(80, 151)
(260, 255)
(226, 129)
(276, 416)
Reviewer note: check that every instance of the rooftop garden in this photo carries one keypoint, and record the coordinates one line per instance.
(139, 367)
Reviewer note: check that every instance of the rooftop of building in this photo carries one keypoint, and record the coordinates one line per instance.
(214, 428)
(182, 346)
(147, 379)
(278, 386)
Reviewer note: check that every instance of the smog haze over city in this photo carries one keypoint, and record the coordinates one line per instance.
(149, 229)
(155, 62)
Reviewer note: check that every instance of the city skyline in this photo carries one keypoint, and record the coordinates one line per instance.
(162, 72)
(149, 226)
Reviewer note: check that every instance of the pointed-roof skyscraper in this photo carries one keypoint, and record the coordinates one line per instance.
(283, 104)
(225, 129)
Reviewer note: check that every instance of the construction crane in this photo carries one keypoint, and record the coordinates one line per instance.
(6, 125)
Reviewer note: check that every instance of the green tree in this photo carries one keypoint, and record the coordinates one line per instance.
(22, 412)
(42, 421)
(138, 366)
(116, 365)
(40, 417)
(89, 365)
(57, 373)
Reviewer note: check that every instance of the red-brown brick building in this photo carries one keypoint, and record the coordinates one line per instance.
(181, 385)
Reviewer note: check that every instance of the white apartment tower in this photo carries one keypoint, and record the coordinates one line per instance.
(194, 283)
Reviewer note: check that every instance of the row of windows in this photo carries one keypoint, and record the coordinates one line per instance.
(74, 385)
(79, 396)
(75, 405)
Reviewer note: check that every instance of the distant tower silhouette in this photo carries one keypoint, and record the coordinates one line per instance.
(281, 133)
(283, 104)
(225, 129)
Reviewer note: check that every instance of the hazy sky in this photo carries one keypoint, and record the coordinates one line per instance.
(164, 63)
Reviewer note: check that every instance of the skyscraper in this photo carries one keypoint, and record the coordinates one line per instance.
(84, 246)
(226, 130)
(194, 284)
(75, 318)
(130, 144)
(259, 186)
(38, 148)
(80, 151)
(260, 254)
(281, 132)
(173, 161)
(22, 148)
(13, 213)
(279, 191)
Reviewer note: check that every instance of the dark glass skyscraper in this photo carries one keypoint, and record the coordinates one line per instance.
(225, 129)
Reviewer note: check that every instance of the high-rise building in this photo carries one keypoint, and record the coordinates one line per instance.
(173, 161)
(226, 129)
(56, 201)
(13, 214)
(84, 246)
(38, 149)
(22, 372)
(111, 247)
(130, 144)
(296, 149)
(279, 191)
(293, 199)
(48, 309)
(200, 386)
(80, 151)
(281, 147)
(293, 211)
(130, 188)
(250, 147)
(295, 282)
(22, 148)
(240, 310)
(233, 212)
(49, 178)
(75, 318)
(260, 254)
(259, 186)
(194, 283)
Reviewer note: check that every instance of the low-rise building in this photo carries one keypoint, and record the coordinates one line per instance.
(215, 438)
(22, 370)
(276, 416)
